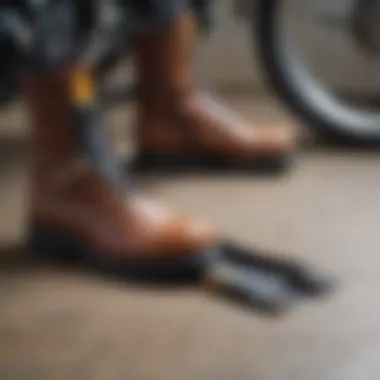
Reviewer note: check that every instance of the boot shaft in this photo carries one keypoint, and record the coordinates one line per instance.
(164, 60)
(47, 101)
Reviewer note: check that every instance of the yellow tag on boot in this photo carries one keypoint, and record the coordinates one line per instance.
(82, 88)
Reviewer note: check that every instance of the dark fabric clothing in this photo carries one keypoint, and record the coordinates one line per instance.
(62, 28)
(62, 31)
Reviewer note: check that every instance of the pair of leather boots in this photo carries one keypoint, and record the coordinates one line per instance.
(76, 212)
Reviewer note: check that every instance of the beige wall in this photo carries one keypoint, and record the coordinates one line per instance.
(225, 57)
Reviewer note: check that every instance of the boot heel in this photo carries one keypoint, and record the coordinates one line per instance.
(164, 163)
(47, 244)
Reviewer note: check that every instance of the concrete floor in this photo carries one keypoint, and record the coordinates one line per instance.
(57, 324)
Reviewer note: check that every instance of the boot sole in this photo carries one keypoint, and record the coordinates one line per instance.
(265, 284)
(50, 245)
(168, 163)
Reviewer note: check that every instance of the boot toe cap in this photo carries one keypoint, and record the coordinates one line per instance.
(186, 235)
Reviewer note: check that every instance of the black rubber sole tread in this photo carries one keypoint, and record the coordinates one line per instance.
(151, 163)
(244, 276)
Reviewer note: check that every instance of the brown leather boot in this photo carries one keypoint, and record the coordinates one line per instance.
(77, 214)
(180, 127)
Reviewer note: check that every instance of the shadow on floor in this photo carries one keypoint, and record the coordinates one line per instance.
(14, 256)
